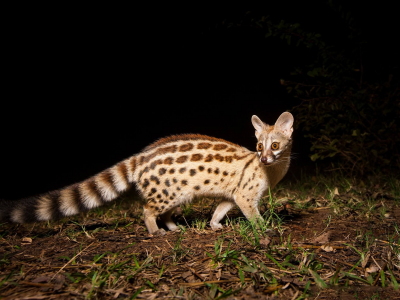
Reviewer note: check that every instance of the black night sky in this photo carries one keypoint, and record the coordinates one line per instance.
(85, 87)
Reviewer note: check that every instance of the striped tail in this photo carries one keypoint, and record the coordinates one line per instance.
(71, 200)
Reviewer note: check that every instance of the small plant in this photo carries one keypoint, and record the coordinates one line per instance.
(220, 257)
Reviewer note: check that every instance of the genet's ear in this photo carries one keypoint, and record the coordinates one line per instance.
(258, 125)
(285, 124)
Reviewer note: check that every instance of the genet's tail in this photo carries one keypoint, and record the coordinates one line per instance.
(71, 200)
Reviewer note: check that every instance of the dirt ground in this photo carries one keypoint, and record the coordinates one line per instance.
(111, 257)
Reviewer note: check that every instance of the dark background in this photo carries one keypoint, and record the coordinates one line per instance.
(86, 87)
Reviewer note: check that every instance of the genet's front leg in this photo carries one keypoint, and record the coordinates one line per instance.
(219, 213)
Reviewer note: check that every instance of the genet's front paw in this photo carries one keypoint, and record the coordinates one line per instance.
(216, 226)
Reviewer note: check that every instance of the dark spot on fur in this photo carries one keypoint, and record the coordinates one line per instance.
(145, 170)
(153, 190)
(222, 180)
(233, 173)
(184, 182)
(178, 188)
(155, 163)
(168, 161)
(186, 147)
(244, 185)
(209, 158)
(146, 183)
(174, 180)
(231, 150)
(207, 181)
(155, 179)
(196, 157)
(228, 159)
(182, 170)
(219, 157)
(192, 172)
(216, 171)
(197, 187)
(166, 202)
(160, 201)
(165, 192)
(218, 147)
(201, 168)
(158, 196)
(167, 183)
(172, 171)
(204, 145)
(225, 173)
(181, 159)
(209, 170)
(250, 188)
(162, 171)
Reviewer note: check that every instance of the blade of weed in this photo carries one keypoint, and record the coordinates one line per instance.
(137, 292)
(274, 260)
(355, 277)
(394, 281)
(318, 280)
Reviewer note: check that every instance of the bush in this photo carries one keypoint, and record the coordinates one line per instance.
(351, 121)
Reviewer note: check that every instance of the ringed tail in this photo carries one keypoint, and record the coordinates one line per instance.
(73, 199)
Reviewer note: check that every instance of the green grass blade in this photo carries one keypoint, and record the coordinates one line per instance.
(356, 277)
(394, 281)
(318, 280)
(274, 260)
(137, 292)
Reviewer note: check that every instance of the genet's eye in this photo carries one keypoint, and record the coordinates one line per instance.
(275, 146)
(259, 147)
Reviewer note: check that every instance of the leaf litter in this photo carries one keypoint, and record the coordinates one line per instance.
(332, 243)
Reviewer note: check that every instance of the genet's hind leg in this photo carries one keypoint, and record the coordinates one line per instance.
(219, 213)
(150, 217)
(166, 218)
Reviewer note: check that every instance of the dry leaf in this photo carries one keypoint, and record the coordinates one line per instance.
(265, 242)
(365, 261)
(327, 248)
(372, 269)
(336, 192)
(322, 239)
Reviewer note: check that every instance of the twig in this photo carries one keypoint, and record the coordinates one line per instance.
(72, 259)
(376, 263)
(213, 281)
(343, 262)
(37, 284)
(195, 273)
(379, 275)
(387, 242)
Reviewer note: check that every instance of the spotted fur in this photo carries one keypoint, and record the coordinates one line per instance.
(173, 171)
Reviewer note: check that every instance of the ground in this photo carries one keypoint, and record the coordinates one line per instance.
(323, 238)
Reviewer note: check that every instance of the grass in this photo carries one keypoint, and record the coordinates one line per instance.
(321, 236)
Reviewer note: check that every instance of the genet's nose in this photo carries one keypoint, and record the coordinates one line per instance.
(263, 159)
